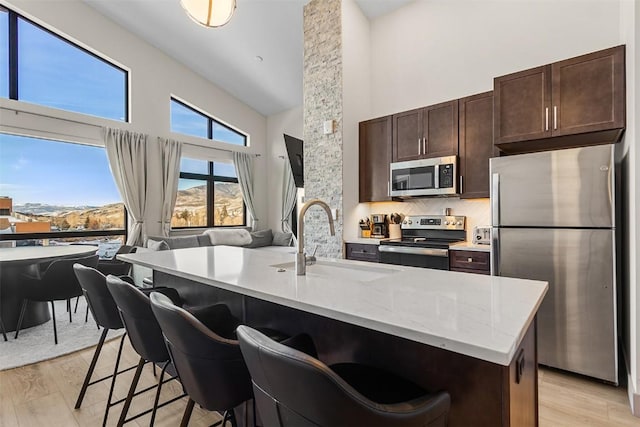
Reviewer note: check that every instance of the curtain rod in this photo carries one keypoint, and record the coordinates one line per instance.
(219, 149)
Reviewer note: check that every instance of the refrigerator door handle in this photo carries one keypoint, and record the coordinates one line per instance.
(495, 251)
(495, 199)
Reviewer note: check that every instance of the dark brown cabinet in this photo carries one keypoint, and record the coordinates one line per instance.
(576, 102)
(426, 132)
(375, 156)
(470, 261)
(362, 252)
(476, 144)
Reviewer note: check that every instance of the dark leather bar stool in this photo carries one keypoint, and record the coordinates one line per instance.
(207, 357)
(58, 282)
(293, 388)
(146, 338)
(105, 312)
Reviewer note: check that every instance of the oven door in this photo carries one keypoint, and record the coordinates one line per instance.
(415, 257)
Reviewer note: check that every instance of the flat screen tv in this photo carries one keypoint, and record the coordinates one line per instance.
(296, 158)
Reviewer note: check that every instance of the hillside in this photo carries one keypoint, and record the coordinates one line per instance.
(191, 210)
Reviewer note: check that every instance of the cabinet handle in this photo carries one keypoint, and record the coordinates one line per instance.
(469, 259)
(419, 145)
(362, 252)
(460, 191)
(546, 118)
(555, 117)
(424, 145)
(388, 189)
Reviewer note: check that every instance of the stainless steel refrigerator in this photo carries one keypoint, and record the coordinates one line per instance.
(553, 219)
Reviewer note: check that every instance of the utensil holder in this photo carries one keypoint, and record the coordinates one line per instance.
(394, 231)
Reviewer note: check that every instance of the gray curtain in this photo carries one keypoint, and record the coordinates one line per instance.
(170, 151)
(289, 193)
(244, 168)
(127, 152)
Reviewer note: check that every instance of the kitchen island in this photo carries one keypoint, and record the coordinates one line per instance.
(471, 335)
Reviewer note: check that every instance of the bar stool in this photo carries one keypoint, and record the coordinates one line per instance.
(105, 312)
(207, 358)
(293, 388)
(145, 337)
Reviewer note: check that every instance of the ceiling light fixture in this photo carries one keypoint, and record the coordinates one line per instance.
(209, 13)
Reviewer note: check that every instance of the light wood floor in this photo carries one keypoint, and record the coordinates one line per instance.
(44, 394)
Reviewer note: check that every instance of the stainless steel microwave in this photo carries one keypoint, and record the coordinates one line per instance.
(424, 177)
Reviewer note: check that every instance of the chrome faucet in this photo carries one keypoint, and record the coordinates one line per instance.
(301, 258)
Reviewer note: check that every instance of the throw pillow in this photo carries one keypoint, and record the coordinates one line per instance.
(281, 239)
(260, 238)
(229, 237)
(157, 245)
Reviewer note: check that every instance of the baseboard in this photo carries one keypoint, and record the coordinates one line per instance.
(634, 397)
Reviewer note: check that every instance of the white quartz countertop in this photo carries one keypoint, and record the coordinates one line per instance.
(484, 317)
(468, 246)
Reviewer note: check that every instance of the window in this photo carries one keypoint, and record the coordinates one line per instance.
(43, 68)
(208, 195)
(187, 120)
(55, 192)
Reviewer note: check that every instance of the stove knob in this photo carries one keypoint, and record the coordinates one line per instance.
(410, 222)
(404, 222)
(446, 223)
(459, 223)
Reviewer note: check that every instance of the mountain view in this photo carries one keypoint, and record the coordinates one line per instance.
(190, 210)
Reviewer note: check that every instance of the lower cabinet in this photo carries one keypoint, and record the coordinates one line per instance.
(362, 252)
(470, 261)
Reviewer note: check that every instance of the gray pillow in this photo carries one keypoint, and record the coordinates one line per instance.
(281, 239)
(157, 245)
(260, 238)
(181, 242)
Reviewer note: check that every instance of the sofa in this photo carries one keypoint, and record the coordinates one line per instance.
(259, 240)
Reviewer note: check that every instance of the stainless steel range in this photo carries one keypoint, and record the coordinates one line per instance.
(425, 241)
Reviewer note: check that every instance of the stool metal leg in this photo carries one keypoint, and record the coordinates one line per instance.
(132, 389)
(155, 403)
(113, 382)
(92, 366)
(187, 413)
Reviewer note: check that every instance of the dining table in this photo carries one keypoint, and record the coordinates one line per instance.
(16, 261)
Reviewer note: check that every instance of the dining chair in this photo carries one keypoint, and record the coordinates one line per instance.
(57, 283)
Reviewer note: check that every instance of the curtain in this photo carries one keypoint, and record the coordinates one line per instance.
(289, 193)
(128, 162)
(244, 168)
(170, 151)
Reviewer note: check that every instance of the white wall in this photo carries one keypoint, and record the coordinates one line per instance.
(356, 106)
(436, 50)
(289, 122)
(154, 78)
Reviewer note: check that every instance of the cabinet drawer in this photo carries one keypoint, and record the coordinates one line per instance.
(363, 252)
(469, 260)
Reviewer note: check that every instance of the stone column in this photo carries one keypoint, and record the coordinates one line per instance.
(323, 154)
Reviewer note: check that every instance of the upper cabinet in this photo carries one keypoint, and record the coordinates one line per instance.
(476, 144)
(426, 132)
(375, 156)
(576, 102)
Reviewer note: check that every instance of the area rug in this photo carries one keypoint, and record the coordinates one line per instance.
(36, 344)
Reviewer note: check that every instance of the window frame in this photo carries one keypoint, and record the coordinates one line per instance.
(13, 76)
(210, 121)
(210, 179)
(69, 234)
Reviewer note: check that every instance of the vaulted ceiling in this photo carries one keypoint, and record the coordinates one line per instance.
(257, 57)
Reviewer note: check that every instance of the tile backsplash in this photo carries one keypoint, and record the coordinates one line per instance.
(477, 211)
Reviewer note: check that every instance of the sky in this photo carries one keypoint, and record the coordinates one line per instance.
(56, 74)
